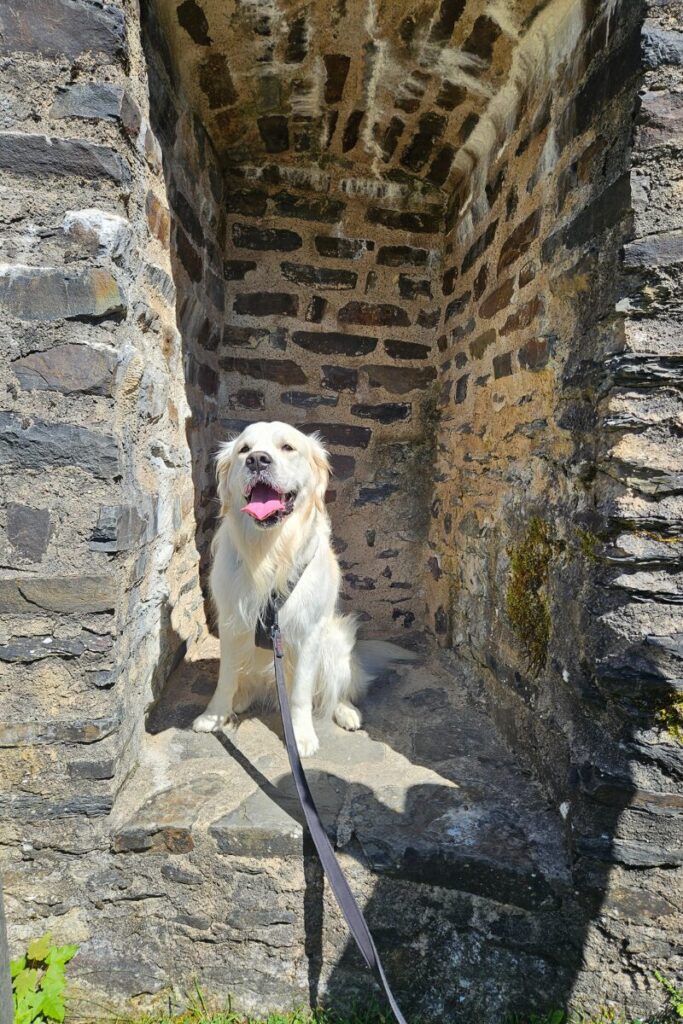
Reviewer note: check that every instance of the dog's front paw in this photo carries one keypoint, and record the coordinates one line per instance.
(347, 716)
(306, 740)
(211, 722)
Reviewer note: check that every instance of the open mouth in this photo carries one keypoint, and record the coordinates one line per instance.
(266, 505)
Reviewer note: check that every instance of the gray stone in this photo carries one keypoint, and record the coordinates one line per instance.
(98, 101)
(37, 155)
(54, 28)
(58, 594)
(78, 731)
(28, 530)
(661, 46)
(69, 369)
(664, 249)
(118, 528)
(29, 649)
(35, 444)
(46, 293)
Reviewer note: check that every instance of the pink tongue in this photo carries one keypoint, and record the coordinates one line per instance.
(264, 500)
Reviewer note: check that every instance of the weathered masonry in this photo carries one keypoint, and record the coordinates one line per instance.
(448, 234)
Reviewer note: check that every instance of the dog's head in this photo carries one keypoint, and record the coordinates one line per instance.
(270, 471)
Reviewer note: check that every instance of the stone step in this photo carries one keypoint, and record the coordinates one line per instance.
(426, 792)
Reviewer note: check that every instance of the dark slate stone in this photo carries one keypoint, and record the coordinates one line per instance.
(56, 28)
(247, 398)
(497, 299)
(479, 247)
(351, 130)
(185, 212)
(266, 304)
(37, 155)
(664, 249)
(371, 314)
(333, 343)
(282, 371)
(523, 316)
(337, 68)
(607, 81)
(457, 305)
(98, 101)
(339, 378)
(461, 389)
(237, 270)
(306, 400)
(441, 166)
(216, 82)
(319, 277)
(28, 530)
(192, 18)
(118, 528)
(448, 280)
(249, 201)
(274, 131)
(373, 494)
(425, 221)
(468, 126)
(386, 412)
(661, 46)
(482, 38)
(418, 150)
(502, 365)
(603, 213)
(297, 40)
(58, 594)
(55, 294)
(26, 650)
(451, 96)
(402, 256)
(517, 243)
(480, 282)
(69, 369)
(305, 208)
(400, 379)
(389, 139)
(343, 248)
(315, 310)
(341, 434)
(406, 349)
(35, 444)
(534, 355)
(188, 255)
(413, 288)
(245, 236)
(204, 378)
(428, 318)
(243, 337)
(448, 14)
(342, 466)
(480, 344)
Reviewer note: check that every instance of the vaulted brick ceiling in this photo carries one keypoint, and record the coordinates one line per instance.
(374, 87)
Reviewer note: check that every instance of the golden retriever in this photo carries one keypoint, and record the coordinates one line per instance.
(275, 532)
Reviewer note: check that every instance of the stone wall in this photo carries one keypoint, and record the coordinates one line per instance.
(429, 234)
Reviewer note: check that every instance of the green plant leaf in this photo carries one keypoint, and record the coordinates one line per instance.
(25, 982)
(53, 1005)
(61, 954)
(39, 948)
(15, 966)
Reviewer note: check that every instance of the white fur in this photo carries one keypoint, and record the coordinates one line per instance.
(322, 670)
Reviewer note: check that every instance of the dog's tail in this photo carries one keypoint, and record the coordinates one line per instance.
(374, 655)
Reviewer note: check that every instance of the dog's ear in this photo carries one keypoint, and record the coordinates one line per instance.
(321, 464)
(223, 462)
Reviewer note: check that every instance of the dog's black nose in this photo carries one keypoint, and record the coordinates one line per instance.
(258, 460)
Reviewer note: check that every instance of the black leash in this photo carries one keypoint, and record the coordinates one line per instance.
(335, 876)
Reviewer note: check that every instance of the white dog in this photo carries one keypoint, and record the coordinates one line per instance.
(275, 538)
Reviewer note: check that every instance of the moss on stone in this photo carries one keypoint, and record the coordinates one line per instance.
(527, 603)
(588, 544)
(670, 717)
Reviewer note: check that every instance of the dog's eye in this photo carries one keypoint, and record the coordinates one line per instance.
(287, 448)
(243, 449)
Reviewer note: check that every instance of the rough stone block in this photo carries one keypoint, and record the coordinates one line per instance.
(497, 299)
(342, 435)
(283, 371)
(37, 155)
(502, 365)
(343, 248)
(534, 355)
(237, 270)
(266, 304)
(319, 277)
(334, 343)
(36, 293)
(55, 28)
(28, 530)
(274, 130)
(245, 236)
(661, 46)
(339, 378)
(519, 242)
(523, 316)
(413, 221)
(328, 211)
(398, 349)
(414, 288)
(36, 445)
(664, 249)
(402, 256)
(386, 412)
(98, 101)
(369, 314)
(68, 368)
(398, 380)
(64, 594)
(250, 202)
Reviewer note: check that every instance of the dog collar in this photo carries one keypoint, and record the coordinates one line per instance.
(267, 618)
